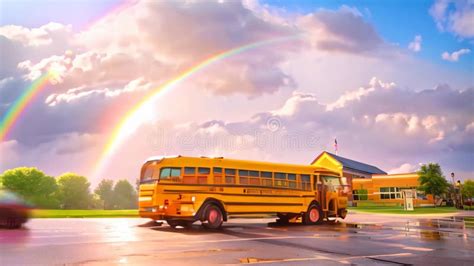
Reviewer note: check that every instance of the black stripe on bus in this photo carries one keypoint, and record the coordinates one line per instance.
(234, 186)
(237, 213)
(235, 194)
(261, 204)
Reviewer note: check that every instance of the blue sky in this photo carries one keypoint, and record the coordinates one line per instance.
(398, 22)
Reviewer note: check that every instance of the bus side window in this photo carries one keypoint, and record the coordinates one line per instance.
(230, 176)
(305, 182)
(165, 173)
(175, 174)
(244, 177)
(267, 179)
(168, 173)
(254, 178)
(217, 175)
(203, 173)
(292, 180)
(280, 179)
(189, 176)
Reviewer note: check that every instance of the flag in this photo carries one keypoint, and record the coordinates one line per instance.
(335, 145)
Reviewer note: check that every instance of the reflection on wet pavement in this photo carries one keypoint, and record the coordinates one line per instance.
(360, 239)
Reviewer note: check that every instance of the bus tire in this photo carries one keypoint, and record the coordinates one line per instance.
(342, 213)
(213, 217)
(283, 218)
(172, 223)
(314, 215)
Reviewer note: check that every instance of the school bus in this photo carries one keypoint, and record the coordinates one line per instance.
(183, 190)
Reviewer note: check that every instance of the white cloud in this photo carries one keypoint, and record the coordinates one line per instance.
(454, 56)
(35, 36)
(404, 168)
(78, 93)
(456, 16)
(415, 45)
(350, 96)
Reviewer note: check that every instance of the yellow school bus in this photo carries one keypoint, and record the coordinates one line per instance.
(182, 190)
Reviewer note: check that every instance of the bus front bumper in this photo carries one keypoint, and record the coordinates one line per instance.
(181, 211)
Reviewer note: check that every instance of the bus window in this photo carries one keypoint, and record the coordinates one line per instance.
(292, 180)
(168, 173)
(189, 170)
(280, 179)
(254, 174)
(244, 177)
(204, 170)
(165, 173)
(230, 176)
(306, 182)
(189, 176)
(217, 175)
(175, 172)
(148, 173)
(203, 173)
(267, 179)
(254, 178)
(333, 182)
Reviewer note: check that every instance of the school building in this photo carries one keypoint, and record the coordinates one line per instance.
(369, 183)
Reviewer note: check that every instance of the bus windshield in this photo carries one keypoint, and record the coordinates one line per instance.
(333, 181)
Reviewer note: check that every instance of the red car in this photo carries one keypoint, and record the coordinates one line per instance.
(14, 211)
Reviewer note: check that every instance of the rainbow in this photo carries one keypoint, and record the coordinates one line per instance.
(136, 115)
(19, 106)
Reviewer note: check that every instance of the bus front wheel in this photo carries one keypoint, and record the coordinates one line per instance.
(314, 215)
(213, 217)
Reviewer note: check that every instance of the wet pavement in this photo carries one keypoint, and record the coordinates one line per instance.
(365, 239)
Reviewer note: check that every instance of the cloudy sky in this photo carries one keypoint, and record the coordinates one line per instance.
(393, 82)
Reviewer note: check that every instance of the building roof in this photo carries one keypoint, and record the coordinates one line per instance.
(355, 165)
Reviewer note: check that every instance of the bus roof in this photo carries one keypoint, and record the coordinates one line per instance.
(243, 164)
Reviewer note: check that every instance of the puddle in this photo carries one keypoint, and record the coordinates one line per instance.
(257, 260)
(431, 235)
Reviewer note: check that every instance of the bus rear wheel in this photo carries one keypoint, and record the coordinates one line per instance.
(314, 215)
(213, 217)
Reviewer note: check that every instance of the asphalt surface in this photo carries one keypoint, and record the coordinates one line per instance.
(360, 239)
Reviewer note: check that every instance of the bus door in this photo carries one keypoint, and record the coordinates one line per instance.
(320, 192)
(330, 186)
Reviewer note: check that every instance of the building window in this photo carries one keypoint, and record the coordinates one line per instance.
(360, 194)
(390, 193)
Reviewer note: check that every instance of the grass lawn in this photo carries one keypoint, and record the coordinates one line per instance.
(84, 213)
(399, 210)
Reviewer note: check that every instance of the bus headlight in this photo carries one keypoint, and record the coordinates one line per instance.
(193, 198)
(147, 198)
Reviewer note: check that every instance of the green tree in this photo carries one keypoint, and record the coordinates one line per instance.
(468, 189)
(432, 180)
(106, 193)
(125, 196)
(33, 185)
(73, 191)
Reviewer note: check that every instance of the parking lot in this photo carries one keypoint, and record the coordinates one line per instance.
(360, 239)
